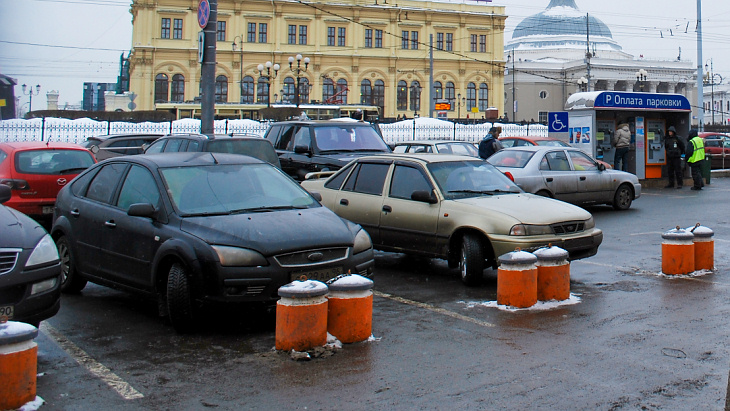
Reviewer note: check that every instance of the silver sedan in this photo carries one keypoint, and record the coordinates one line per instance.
(567, 174)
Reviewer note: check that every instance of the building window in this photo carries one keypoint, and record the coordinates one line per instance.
(415, 96)
(247, 90)
(330, 36)
(292, 34)
(402, 96)
(450, 94)
(483, 97)
(542, 117)
(221, 89)
(303, 90)
(262, 90)
(405, 40)
(482, 43)
(287, 94)
(438, 90)
(439, 41)
(161, 86)
(263, 30)
(328, 91)
(473, 43)
(177, 29)
(414, 40)
(378, 39)
(379, 94)
(251, 37)
(302, 35)
(165, 31)
(342, 90)
(341, 36)
(178, 88)
(449, 41)
(220, 33)
(471, 96)
(369, 38)
(366, 92)
(543, 94)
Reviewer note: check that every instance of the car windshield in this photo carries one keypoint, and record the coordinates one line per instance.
(348, 138)
(466, 149)
(462, 179)
(257, 148)
(53, 161)
(233, 188)
(511, 158)
(552, 143)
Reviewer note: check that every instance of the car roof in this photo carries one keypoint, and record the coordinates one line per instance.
(132, 135)
(326, 123)
(542, 148)
(402, 143)
(196, 158)
(38, 145)
(530, 138)
(422, 157)
(712, 134)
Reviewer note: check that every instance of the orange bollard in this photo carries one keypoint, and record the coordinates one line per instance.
(18, 364)
(350, 311)
(301, 316)
(704, 247)
(678, 252)
(553, 274)
(517, 279)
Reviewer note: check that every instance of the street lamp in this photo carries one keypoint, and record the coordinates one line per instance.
(298, 72)
(269, 77)
(460, 101)
(641, 78)
(511, 56)
(240, 64)
(30, 94)
(710, 79)
(583, 83)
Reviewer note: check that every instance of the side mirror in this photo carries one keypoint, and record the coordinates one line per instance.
(301, 149)
(317, 196)
(601, 167)
(142, 210)
(94, 149)
(424, 196)
(5, 193)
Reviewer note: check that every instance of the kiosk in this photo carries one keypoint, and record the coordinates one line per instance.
(594, 116)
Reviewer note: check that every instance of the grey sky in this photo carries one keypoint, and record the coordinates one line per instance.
(60, 44)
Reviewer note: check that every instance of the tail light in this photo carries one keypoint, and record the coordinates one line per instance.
(15, 184)
(510, 176)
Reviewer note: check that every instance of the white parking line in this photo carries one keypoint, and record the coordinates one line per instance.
(434, 309)
(112, 380)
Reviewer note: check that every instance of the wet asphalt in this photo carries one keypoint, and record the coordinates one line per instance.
(636, 339)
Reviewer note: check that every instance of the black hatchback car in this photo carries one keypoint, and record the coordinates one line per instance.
(115, 145)
(311, 146)
(193, 228)
(246, 144)
(30, 269)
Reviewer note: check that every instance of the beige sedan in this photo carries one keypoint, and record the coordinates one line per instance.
(453, 207)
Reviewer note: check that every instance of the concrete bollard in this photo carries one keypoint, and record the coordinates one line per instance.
(301, 316)
(678, 252)
(704, 247)
(350, 310)
(517, 279)
(18, 364)
(553, 274)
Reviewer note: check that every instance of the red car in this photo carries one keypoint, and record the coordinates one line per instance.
(717, 146)
(36, 171)
(540, 141)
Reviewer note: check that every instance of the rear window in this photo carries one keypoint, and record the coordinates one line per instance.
(510, 158)
(3, 156)
(552, 143)
(349, 138)
(53, 161)
(257, 148)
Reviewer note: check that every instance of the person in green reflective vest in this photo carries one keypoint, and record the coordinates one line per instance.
(695, 156)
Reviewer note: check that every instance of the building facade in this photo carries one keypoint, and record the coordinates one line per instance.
(358, 52)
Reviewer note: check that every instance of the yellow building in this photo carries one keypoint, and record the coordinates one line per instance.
(373, 52)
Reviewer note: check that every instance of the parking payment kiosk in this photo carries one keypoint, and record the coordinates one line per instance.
(594, 116)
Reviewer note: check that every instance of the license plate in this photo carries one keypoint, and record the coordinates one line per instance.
(322, 274)
(47, 209)
(6, 311)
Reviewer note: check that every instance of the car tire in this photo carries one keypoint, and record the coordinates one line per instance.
(623, 197)
(544, 193)
(471, 263)
(179, 300)
(71, 281)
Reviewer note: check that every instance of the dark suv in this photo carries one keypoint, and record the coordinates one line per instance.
(246, 144)
(115, 145)
(310, 146)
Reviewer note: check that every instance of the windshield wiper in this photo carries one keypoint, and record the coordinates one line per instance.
(264, 209)
(207, 214)
(472, 192)
(499, 190)
(69, 170)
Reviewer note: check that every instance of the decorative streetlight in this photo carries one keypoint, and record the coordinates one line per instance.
(269, 77)
(298, 70)
(709, 79)
(460, 101)
(641, 78)
(240, 64)
(30, 94)
(583, 83)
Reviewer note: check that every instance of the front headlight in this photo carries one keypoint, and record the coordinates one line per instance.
(529, 229)
(590, 223)
(362, 242)
(239, 257)
(44, 252)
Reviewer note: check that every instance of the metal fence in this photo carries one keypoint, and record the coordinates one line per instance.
(77, 131)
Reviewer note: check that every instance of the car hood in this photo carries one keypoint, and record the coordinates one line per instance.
(18, 230)
(346, 157)
(274, 232)
(528, 208)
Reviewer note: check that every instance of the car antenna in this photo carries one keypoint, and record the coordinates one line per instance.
(215, 160)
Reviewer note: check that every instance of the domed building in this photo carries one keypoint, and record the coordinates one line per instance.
(555, 53)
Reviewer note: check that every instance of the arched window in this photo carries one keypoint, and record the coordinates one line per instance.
(328, 91)
(450, 94)
(415, 96)
(402, 97)
(247, 90)
(262, 90)
(483, 97)
(366, 92)
(471, 96)
(342, 89)
(161, 88)
(438, 91)
(379, 94)
(287, 94)
(178, 88)
(221, 89)
(303, 90)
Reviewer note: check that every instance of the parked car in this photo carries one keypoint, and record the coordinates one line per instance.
(246, 144)
(313, 146)
(717, 147)
(567, 174)
(464, 148)
(36, 171)
(541, 141)
(190, 228)
(30, 269)
(115, 145)
(458, 208)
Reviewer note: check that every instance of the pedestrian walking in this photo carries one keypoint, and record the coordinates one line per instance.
(490, 143)
(695, 156)
(621, 141)
(675, 147)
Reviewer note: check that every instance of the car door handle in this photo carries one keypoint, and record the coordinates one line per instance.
(387, 208)
(344, 201)
(583, 178)
(110, 224)
(549, 179)
(75, 212)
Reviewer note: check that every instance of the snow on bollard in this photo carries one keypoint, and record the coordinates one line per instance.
(350, 311)
(301, 316)
(18, 364)
(678, 252)
(704, 247)
(553, 274)
(517, 279)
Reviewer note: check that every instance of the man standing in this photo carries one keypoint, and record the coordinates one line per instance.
(490, 144)
(675, 147)
(621, 140)
(695, 157)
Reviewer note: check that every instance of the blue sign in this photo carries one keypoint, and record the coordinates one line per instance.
(203, 13)
(644, 101)
(558, 122)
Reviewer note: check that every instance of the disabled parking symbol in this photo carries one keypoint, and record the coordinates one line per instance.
(558, 122)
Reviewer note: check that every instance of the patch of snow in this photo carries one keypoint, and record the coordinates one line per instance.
(353, 279)
(540, 306)
(698, 273)
(32, 405)
(563, 11)
(333, 342)
(12, 328)
(372, 338)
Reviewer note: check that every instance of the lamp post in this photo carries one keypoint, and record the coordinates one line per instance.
(583, 83)
(240, 64)
(30, 94)
(460, 101)
(710, 79)
(511, 56)
(641, 78)
(269, 77)
(298, 70)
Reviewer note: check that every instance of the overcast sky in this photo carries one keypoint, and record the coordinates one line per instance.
(60, 44)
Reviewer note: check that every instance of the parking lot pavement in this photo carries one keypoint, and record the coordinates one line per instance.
(635, 340)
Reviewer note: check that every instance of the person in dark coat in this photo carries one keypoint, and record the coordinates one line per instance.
(675, 147)
(490, 144)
